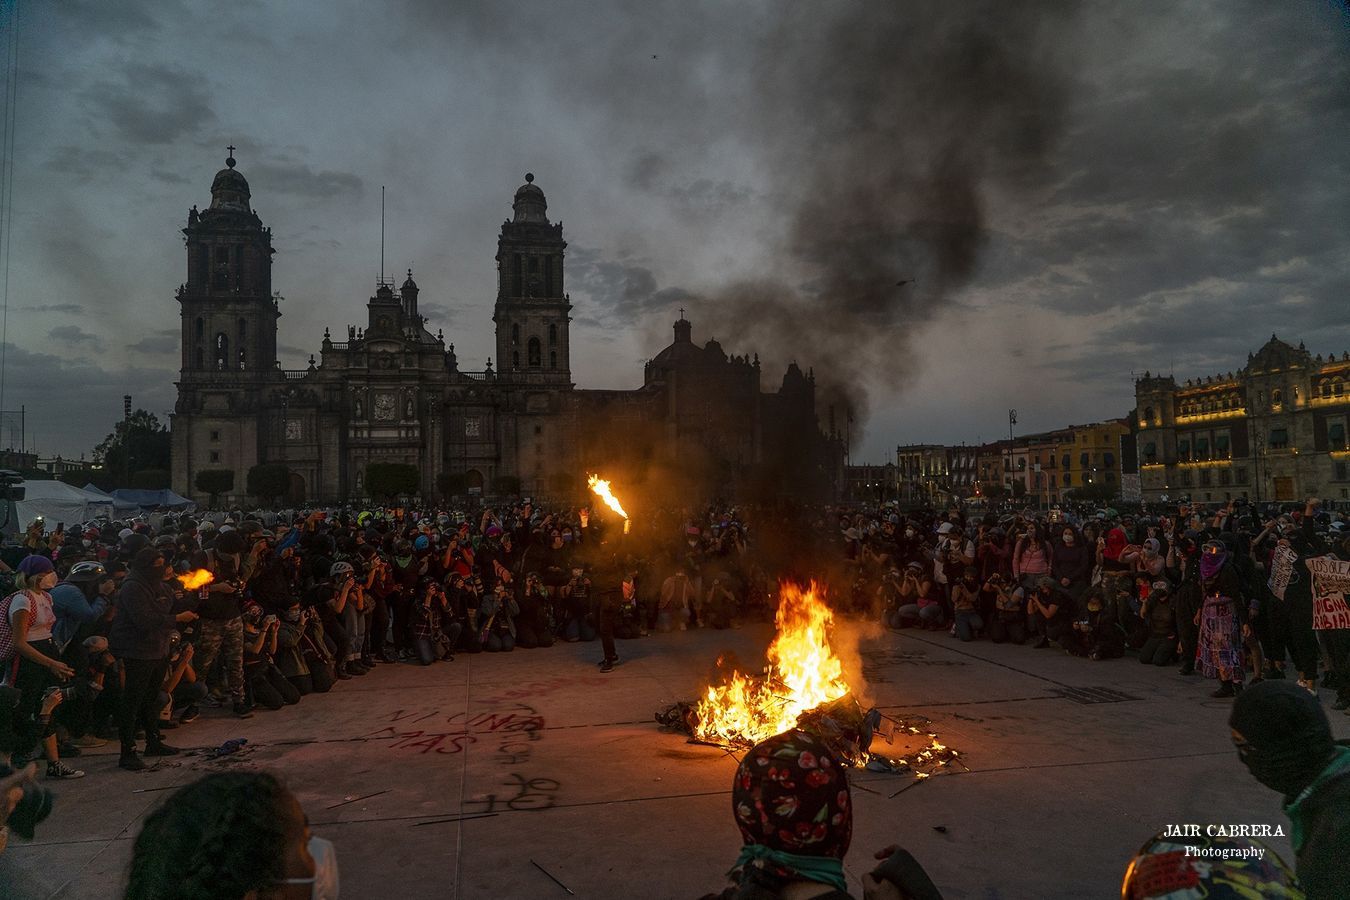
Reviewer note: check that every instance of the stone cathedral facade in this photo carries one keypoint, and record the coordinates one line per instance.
(390, 390)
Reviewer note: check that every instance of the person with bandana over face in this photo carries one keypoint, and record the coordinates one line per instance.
(792, 805)
(231, 836)
(1222, 620)
(1284, 739)
(140, 638)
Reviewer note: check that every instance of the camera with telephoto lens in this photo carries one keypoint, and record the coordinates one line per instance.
(34, 806)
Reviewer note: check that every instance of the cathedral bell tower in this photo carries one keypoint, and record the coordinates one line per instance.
(228, 314)
(532, 309)
(229, 328)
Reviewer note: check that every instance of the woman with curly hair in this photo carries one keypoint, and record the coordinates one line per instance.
(231, 836)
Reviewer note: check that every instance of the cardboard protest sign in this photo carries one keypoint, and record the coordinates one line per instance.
(1330, 582)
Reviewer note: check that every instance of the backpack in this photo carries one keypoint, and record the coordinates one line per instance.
(7, 630)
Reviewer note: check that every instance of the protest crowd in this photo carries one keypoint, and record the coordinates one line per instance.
(128, 631)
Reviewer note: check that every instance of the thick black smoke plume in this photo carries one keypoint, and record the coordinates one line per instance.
(884, 128)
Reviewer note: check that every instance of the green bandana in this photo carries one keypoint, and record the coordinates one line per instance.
(824, 869)
(1339, 765)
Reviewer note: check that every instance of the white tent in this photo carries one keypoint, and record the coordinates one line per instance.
(56, 501)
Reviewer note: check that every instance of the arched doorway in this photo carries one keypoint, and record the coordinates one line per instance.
(473, 482)
(295, 489)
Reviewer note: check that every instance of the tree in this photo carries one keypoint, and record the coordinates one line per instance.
(449, 484)
(138, 442)
(506, 485)
(214, 482)
(150, 479)
(1019, 490)
(268, 481)
(388, 480)
(1097, 491)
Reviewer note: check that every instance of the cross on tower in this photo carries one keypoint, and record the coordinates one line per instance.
(681, 313)
(231, 149)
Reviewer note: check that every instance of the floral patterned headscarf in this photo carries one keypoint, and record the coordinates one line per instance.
(793, 807)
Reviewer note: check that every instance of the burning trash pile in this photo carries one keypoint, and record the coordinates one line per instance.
(803, 687)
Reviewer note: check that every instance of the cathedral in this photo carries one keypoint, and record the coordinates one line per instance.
(391, 391)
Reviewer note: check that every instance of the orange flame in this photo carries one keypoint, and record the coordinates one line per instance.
(601, 489)
(803, 673)
(196, 579)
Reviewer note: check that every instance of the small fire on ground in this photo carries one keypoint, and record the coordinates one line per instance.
(803, 686)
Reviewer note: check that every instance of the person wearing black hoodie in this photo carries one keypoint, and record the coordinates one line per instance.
(139, 639)
(1284, 739)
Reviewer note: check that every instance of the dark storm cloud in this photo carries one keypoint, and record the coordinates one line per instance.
(90, 396)
(299, 180)
(438, 315)
(71, 309)
(165, 341)
(83, 164)
(71, 334)
(622, 292)
(151, 103)
(691, 198)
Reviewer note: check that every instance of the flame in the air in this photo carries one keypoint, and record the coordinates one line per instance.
(196, 579)
(601, 489)
(803, 673)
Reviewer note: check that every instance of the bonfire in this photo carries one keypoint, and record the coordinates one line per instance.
(803, 686)
(803, 673)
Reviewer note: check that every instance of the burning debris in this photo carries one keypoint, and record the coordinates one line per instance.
(803, 687)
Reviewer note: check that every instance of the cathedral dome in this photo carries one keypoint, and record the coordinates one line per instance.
(530, 205)
(229, 189)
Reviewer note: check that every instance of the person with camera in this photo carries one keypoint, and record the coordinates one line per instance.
(433, 636)
(921, 602)
(579, 617)
(1159, 647)
(965, 605)
(140, 638)
(534, 627)
(333, 596)
(36, 668)
(1049, 611)
(496, 619)
(183, 690)
(265, 684)
(221, 629)
(1009, 621)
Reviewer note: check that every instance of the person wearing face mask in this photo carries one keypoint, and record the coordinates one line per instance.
(1071, 561)
(965, 603)
(1285, 741)
(81, 601)
(221, 630)
(1222, 620)
(36, 668)
(1159, 646)
(140, 638)
(231, 836)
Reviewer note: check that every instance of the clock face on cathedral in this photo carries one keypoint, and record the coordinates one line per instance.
(384, 407)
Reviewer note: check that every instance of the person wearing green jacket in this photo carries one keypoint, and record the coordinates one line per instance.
(1284, 739)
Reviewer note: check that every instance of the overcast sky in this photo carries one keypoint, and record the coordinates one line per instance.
(1072, 193)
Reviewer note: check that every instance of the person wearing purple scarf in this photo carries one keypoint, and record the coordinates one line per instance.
(1222, 620)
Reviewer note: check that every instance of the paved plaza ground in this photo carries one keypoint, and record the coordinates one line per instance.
(448, 781)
